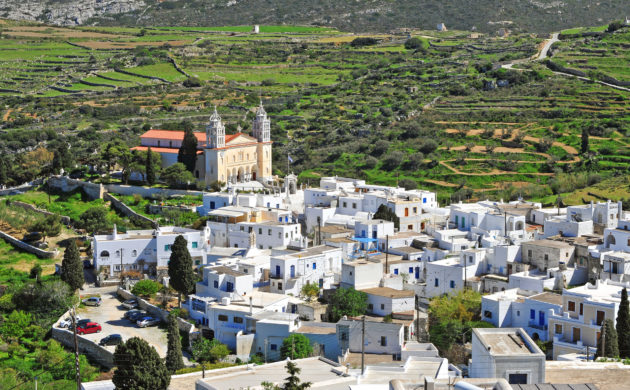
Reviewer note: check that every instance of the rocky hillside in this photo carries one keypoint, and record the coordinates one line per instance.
(348, 15)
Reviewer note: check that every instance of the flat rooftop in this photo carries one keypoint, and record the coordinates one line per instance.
(317, 328)
(389, 292)
(312, 370)
(227, 271)
(548, 243)
(548, 297)
(505, 341)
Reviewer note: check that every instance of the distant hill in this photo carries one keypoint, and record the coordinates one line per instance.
(364, 15)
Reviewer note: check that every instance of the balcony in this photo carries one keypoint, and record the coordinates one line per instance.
(276, 276)
(536, 325)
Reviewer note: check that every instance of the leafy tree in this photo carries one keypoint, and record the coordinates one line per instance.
(149, 168)
(174, 360)
(187, 154)
(50, 226)
(15, 325)
(363, 41)
(72, 267)
(139, 367)
(36, 272)
(310, 290)
(208, 351)
(347, 302)
(45, 301)
(416, 44)
(408, 184)
(146, 288)
(177, 175)
(387, 214)
(182, 276)
(611, 347)
(94, 219)
(392, 160)
(296, 346)
(292, 382)
(585, 147)
(623, 325)
(453, 315)
(192, 82)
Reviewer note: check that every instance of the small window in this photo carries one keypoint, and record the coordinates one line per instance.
(384, 341)
(134, 253)
(518, 313)
(223, 317)
(245, 271)
(215, 284)
(571, 306)
(259, 230)
(194, 244)
(314, 265)
(280, 286)
(410, 270)
(268, 232)
(345, 204)
(452, 284)
(546, 256)
(354, 205)
(350, 273)
(274, 347)
(437, 283)
(167, 248)
(238, 320)
(382, 306)
(487, 314)
(396, 271)
(558, 329)
(470, 259)
(370, 307)
(532, 314)
(529, 253)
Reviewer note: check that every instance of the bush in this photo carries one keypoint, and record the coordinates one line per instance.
(192, 82)
(146, 288)
(416, 44)
(393, 160)
(360, 42)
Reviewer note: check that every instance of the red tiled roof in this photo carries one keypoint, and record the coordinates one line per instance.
(173, 135)
(161, 150)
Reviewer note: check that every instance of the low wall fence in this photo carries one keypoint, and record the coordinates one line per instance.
(126, 210)
(27, 206)
(44, 254)
(91, 349)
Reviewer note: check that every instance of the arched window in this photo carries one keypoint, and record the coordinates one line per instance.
(134, 253)
(610, 240)
(104, 254)
(117, 253)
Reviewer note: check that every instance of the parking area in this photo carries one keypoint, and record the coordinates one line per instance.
(110, 316)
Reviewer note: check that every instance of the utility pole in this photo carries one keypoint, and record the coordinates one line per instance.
(602, 352)
(363, 346)
(76, 347)
(319, 231)
(121, 267)
(266, 341)
(387, 254)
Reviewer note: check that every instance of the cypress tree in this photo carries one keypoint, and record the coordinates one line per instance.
(182, 276)
(71, 267)
(187, 154)
(174, 360)
(623, 325)
(611, 348)
(585, 147)
(139, 367)
(150, 171)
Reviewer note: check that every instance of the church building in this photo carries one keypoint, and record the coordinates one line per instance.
(231, 158)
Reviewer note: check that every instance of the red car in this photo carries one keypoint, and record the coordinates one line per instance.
(90, 327)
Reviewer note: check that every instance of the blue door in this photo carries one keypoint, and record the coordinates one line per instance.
(212, 205)
(277, 270)
(417, 275)
(541, 318)
(293, 271)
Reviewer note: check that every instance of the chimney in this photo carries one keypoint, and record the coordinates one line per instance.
(251, 307)
(620, 210)
(115, 233)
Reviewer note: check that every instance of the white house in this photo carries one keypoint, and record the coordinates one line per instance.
(452, 274)
(222, 281)
(361, 274)
(319, 265)
(507, 353)
(617, 239)
(615, 266)
(145, 251)
(384, 301)
(380, 338)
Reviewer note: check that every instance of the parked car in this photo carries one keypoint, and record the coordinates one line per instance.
(112, 339)
(93, 301)
(67, 322)
(132, 312)
(87, 264)
(130, 304)
(32, 237)
(90, 327)
(138, 316)
(147, 321)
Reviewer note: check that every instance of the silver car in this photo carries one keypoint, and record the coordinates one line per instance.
(147, 321)
(67, 322)
(93, 301)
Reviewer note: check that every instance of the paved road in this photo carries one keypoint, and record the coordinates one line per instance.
(544, 52)
(109, 315)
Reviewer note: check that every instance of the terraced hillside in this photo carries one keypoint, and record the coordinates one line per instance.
(465, 114)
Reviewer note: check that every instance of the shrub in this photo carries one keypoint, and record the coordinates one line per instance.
(146, 288)
(360, 42)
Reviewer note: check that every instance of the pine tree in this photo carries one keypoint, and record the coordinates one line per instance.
(188, 151)
(585, 146)
(71, 267)
(139, 367)
(623, 325)
(174, 360)
(292, 382)
(182, 276)
(609, 335)
(150, 170)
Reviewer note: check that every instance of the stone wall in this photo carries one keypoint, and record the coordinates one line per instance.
(155, 311)
(44, 254)
(147, 192)
(89, 348)
(126, 210)
(66, 184)
(27, 206)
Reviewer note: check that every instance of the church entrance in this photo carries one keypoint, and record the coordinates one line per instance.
(254, 175)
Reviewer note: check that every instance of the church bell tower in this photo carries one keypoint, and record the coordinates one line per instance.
(215, 131)
(261, 127)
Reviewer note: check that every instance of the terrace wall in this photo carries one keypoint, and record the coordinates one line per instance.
(94, 351)
(126, 210)
(27, 247)
(154, 310)
(27, 206)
